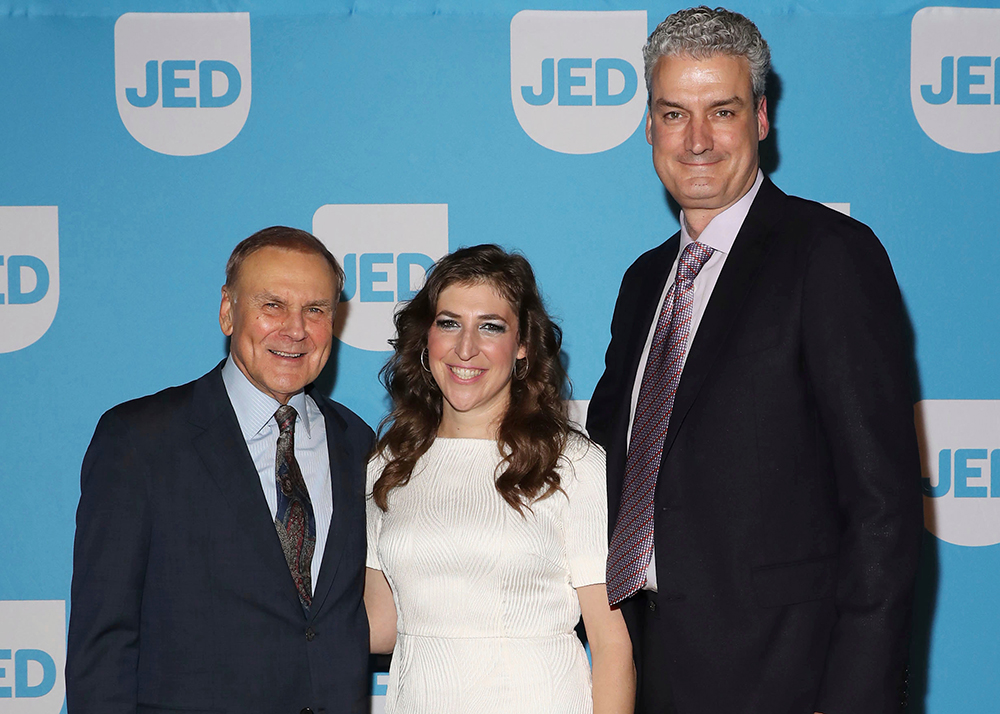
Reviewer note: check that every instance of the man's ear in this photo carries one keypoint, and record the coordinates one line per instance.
(226, 312)
(763, 124)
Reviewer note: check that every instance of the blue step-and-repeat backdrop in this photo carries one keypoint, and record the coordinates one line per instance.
(141, 140)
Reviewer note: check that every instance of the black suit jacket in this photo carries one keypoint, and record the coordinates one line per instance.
(788, 512)
(182, 600)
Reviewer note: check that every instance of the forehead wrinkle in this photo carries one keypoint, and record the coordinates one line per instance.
(735, 99)
(266, 296)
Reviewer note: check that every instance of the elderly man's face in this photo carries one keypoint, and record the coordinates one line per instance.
(704, 129)
(280, 317)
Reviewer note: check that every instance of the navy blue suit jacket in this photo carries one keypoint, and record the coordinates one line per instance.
(181, 597)
(787, 507)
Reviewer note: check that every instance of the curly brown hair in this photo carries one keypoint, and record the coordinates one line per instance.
(535, 428)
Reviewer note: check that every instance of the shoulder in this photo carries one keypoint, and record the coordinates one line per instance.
(583, 458)
(155, 413)
(806, 218)
(818, 218)
(841, 263)
(656, 260)
(824, 239)
(354, 426)
(376, 465)
(149, 426)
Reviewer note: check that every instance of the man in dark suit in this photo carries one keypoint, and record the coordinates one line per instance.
(220, 544)
(756, 410)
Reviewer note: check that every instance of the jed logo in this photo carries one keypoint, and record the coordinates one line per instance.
(955, 77)
(29, 273)
(380, 685)
(182, 80)
(960, 452)
(386, 250)
(576, 78)
(32, 656)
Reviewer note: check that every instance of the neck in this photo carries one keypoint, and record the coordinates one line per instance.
(459, 425)
(698, 221)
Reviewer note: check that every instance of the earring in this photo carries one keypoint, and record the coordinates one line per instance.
(424, 358)
(520, 375)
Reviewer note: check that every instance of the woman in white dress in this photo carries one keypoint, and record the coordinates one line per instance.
(487, 511)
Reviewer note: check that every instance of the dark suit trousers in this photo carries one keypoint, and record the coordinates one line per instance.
(653, 691)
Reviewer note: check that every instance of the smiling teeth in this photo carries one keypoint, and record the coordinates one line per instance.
(466, 373)
(287, 354)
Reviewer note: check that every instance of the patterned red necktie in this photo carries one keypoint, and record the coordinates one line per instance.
(632, 539)
(294, 520)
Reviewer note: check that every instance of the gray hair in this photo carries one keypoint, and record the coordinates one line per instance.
(701, 32)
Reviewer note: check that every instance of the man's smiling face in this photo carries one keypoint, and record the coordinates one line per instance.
(704, 127)
(280, 317)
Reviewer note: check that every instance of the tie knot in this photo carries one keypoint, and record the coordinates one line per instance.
(692, 260)
(285, 416)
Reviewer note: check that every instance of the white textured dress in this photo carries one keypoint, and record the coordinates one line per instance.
(485, 599)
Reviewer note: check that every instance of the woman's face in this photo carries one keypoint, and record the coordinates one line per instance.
(472, 347)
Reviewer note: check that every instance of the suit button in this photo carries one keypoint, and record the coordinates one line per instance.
(310, 636)
(307, 710)
(652, 606)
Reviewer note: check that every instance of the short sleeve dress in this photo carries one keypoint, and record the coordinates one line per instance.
(485, 599)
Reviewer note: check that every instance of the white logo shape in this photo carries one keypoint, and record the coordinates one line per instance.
(386, 249)
(844, 208)
(182, 80)
(954, 68)
(29, 273)
(960, 454)
(32, 656)
(576, 78)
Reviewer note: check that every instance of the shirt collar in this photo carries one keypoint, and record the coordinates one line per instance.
(721, 231)
(254, 409)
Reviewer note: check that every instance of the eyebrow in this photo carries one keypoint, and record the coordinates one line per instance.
(733, 100)
(489, 316)
(271, 297)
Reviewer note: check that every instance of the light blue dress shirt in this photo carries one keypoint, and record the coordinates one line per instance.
(255, 413)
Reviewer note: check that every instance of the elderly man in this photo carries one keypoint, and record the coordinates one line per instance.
(220, 544)
(763, 473)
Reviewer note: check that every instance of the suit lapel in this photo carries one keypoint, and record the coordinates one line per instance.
(648, 291)
(723, 308)
(224, 452)
(339, 468)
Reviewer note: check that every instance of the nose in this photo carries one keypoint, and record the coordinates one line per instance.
(294, 325)
(468, 345)
(699, 136)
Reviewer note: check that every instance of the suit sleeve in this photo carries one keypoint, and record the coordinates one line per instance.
(857, 358)
(109, 563)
